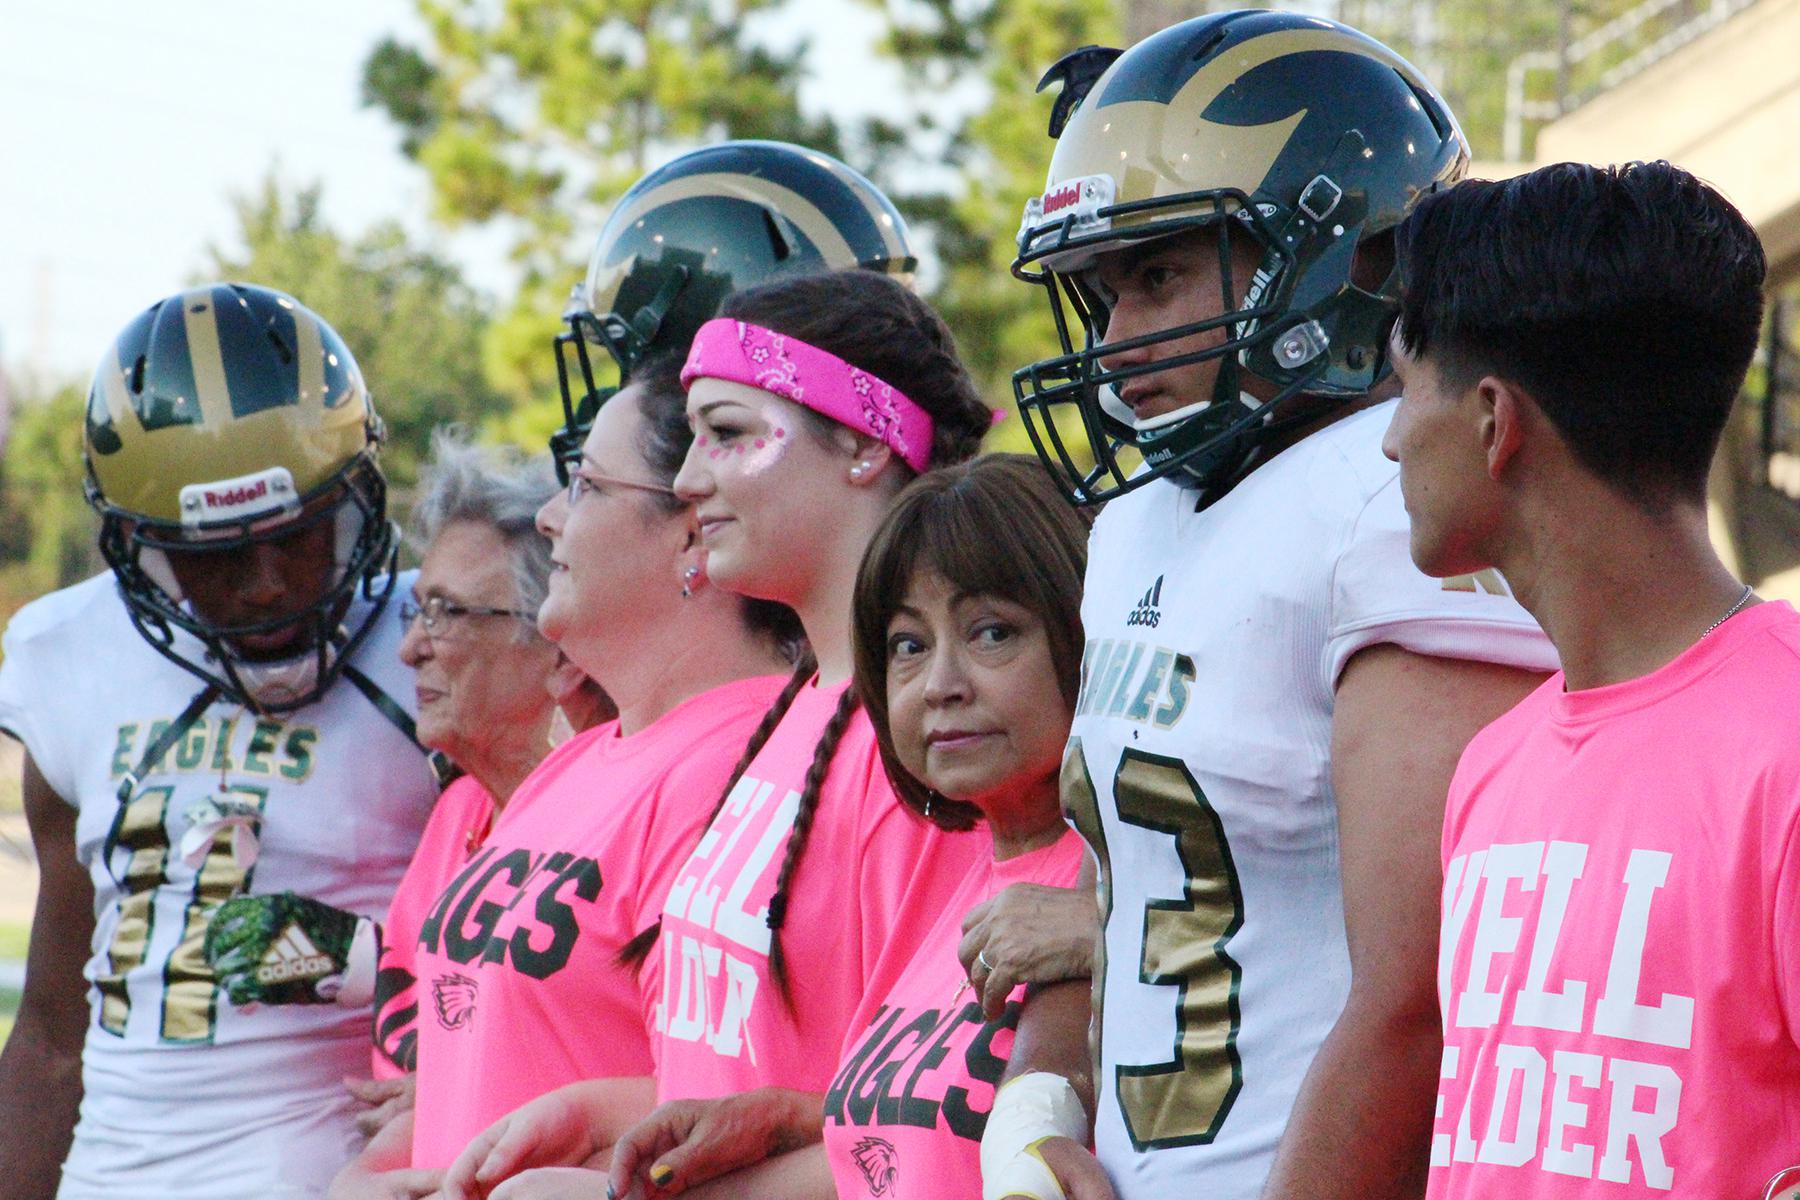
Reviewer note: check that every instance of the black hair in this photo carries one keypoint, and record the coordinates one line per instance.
(1626, 300)
(876, 323)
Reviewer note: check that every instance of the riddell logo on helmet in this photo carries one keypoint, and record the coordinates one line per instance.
(232, 497)
(1061, 198)
(246, 496)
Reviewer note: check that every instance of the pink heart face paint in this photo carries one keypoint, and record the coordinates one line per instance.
(757, 487)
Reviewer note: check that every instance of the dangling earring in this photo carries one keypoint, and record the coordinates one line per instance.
(690, 582)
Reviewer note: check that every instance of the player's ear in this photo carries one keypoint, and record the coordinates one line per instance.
(1503, 422)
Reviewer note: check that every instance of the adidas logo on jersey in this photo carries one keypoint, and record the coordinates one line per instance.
(1148, 612)
(293, 956)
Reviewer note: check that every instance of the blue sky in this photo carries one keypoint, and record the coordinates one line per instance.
(125, 128)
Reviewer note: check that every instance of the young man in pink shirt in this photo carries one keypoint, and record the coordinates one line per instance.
(1619, 967)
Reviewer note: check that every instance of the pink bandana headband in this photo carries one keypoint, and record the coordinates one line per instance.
(740, 352)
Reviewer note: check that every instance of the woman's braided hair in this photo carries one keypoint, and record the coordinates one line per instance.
(638, 948)
(875, 323)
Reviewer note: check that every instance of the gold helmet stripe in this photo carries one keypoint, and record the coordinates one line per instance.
(1185, 151)
(791, 204)
(883, 218)
(312, 363)
(202, 325)
(112, 387)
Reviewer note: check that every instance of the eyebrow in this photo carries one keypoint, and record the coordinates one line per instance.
(957, 599)
(1133, 255)
(711, 405)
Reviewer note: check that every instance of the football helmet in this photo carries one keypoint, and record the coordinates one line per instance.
(1299, 134)
(221, 417)
(714, 221)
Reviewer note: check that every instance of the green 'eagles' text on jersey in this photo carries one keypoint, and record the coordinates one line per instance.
(184, 1094)
(1198, 771)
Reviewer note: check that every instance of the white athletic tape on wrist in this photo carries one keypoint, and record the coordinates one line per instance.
(358, 987)
(1026, 1111)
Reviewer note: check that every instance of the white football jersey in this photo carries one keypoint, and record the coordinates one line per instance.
(184, 1094)
(1198, 770)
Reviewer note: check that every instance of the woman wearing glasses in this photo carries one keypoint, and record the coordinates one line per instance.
(814, 401)
(518, 985)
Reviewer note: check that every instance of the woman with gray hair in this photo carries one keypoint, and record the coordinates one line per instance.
(488, 685)
(488, 682)
(490, 689)
(523, 983)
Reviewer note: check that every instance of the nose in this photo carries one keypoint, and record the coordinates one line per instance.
(1390, 441)
(692, 482)
(415, 647)
(550, 516)
(263, 584)
(1122, 324)
(946, 679)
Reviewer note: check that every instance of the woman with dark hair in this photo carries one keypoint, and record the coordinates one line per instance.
(527, 924)
(967, 637)
(813, 402)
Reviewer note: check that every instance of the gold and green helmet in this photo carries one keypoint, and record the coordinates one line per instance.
(709, 223)
(1299, 134)
(222, 417)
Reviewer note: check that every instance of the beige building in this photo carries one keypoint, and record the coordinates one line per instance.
(1720, 96)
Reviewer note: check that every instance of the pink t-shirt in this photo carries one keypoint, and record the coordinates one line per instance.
(904, 1117)
(873, 876)
(519, 990)
(1620, 959)
(458, 822)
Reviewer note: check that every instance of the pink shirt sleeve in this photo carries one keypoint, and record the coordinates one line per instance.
(905, 1113)
(907, 867)
(464, 809)
(1787, 928)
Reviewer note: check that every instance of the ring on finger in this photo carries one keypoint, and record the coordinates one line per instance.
(981, 960)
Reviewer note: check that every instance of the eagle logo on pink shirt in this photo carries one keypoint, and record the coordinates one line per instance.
(454, 996)
(878, 1161)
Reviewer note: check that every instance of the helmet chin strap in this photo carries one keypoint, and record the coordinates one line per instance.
(1201, 468)
(280, 683)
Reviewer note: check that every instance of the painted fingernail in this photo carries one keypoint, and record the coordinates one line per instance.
(661, 1174)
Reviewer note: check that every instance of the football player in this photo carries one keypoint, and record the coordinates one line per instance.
(711, 222)
(225, 708)
(1273, 697)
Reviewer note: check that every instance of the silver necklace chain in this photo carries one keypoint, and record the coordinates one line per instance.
(1733, 610)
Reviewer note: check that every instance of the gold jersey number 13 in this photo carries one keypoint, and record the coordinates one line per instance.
(1183, 1100)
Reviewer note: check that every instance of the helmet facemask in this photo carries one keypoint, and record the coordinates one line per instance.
(1211, 438)
(364, 553)
(626, 341)
(712, 222)
(1306, 138)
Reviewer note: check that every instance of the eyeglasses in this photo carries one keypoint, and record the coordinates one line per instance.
(584, 479)
(439, 612)
(1785, 1185)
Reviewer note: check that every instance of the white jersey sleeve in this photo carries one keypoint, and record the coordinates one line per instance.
(33, 708)
(182, 1093)
(1378, 595)
(1199, 773)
